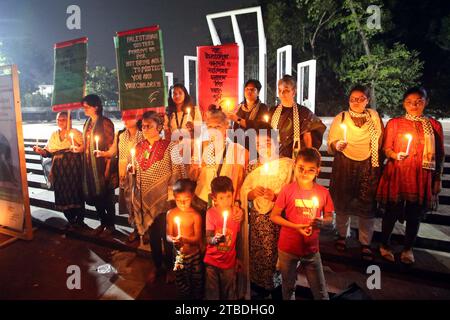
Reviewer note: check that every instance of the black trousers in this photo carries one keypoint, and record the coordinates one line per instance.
(157, 233)
(413, 214)
(106, 208)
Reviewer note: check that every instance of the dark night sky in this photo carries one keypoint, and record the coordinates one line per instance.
(43, 22)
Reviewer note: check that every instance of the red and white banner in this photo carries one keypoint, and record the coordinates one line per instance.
(218, 76)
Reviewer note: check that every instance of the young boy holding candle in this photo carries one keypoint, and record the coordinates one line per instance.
(223, 222)
(308, 207)
(184, 229)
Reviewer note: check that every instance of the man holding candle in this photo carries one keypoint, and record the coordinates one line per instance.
(299, 235)
(65, 171)
(411, 180)
(355, 140)
(99, 174)
(184, 230)
(223, 223)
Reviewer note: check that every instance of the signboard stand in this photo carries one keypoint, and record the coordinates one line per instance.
(15, 202)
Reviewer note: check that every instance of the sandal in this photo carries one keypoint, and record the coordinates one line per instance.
(340, 244)
(366, 253)
(387, 254)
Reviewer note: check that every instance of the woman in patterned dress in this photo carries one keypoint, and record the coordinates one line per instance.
(65, 171)
(157, 167)
(414, 146)
(355, 141)
(263, 182)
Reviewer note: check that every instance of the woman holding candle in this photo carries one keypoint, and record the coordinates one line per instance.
(99, 174)
(298, 127)
(123, 147)
(264, 180)
(251, 110)
(181, 112)
(412, 177)
(65, 170)
(355, 141)
(156, 169)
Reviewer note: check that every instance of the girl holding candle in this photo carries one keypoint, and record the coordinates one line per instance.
(300, 229)
(355, 141)
(124, 142)
(65, 170)
(184, 230)
(99, 174)
(181, 112)
(264, 180)
(156, 169)
(411, 179)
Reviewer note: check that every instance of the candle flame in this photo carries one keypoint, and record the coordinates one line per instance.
(408, 136)
(71, 134)
(266, 118)
(315, 202)
(225, 214)
(97, 138)
(266, 167)
(188, 110)
(343, 126)
(133, 152)
(177, 220)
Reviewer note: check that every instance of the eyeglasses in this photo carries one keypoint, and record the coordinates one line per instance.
(358, 100)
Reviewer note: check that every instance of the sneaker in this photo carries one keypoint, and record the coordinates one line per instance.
(407, 257)
(366, 253)
(387, 254)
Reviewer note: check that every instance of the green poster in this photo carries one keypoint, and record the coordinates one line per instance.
(70, 74)
(140, 68)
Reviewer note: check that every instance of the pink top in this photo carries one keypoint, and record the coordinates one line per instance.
(299, 209)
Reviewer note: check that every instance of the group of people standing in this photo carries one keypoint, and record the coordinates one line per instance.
(231, 220)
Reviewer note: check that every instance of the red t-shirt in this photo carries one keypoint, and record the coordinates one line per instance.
(222, 255)
(298, 206)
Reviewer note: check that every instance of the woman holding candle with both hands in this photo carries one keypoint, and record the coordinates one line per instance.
(65, 171)
(412, 178)
(355, 141)
(157, 167)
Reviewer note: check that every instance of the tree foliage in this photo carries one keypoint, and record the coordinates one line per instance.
(103, 82)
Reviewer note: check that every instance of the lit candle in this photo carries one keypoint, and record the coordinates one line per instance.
(409, 137)
(178, 223)
(344, 128)
(133, 154)
(228, 105)
(315, 205)
(97, 138)
(225, 217)
(188, 110)
(71, 138)
(266, 118)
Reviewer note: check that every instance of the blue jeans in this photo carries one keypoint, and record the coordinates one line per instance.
(314, 274)
(220, 284)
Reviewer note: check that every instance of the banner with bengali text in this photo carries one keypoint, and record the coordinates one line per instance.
(218, 76)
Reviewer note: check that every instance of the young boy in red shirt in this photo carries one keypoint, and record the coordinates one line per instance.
(304, 202)
(223, 222)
